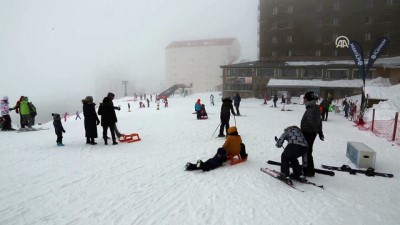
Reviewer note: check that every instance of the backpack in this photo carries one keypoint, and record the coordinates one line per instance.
(32, 109)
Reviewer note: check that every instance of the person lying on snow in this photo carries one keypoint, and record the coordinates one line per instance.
(233, 146)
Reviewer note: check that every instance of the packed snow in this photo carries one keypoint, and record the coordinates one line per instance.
(145, 182)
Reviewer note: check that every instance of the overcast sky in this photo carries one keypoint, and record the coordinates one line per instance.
(66, 44)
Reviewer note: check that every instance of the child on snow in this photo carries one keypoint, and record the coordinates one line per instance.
(58, 127)
(297, 147)
(233, 146)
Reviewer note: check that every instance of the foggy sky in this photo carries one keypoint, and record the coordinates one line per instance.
(57, 52)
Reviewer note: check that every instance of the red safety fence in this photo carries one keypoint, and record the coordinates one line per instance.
(387, 129)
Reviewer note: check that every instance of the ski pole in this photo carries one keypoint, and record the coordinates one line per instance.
(234, 118)
(216, 129)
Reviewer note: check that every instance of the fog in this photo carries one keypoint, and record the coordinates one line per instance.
(57, 52)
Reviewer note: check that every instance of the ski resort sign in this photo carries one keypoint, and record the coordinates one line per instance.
(342, 42)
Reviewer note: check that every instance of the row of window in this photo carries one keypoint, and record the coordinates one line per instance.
(301, 73)
(318, 38)
(336, 6)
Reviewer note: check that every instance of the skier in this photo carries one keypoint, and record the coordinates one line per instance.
(77, 115)
(212, 99)
(148, 103)
(226, 110)
(325, 108)
(311, 125)
(296, 147)
(65, 116)
(58, 127)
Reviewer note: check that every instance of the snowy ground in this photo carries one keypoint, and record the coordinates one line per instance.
(145, 182)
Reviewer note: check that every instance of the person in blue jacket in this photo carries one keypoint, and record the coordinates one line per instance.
(58, 127)
(197, 108)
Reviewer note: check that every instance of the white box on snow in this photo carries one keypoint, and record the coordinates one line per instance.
(360, 154)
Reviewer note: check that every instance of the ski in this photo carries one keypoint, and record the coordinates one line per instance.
(30, 129)
(275, 174)
(369, 172)
(320, 171)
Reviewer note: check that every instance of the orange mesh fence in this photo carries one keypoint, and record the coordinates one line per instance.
(382, 128)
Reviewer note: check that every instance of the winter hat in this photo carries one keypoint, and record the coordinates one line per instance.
(56, 116)
(110, 95)
(89, 98)
(5, 98)
(232, 130)
(198, 100)
(310, 95)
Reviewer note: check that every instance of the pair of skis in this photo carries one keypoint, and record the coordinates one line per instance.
(369, 172)
(278, 175)
(320, 171)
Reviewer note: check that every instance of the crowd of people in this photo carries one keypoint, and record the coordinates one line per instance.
(23, 107)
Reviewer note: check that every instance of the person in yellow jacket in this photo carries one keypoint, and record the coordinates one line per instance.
(233, 144)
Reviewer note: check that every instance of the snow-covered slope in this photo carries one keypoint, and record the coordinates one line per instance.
(145, 182)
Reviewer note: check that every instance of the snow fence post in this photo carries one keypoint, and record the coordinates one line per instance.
(395, 125)
(373, 120)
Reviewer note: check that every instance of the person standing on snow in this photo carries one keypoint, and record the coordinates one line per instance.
(236, 103)
(226, 110)
(311, 125)
(5, 113)
(91, 120)
(325, 109)
(58, 128)
(108, 119)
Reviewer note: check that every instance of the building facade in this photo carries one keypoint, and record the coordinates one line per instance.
(304, 40)
(197, 63)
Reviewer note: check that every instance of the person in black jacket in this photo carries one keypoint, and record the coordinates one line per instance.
(226, 110)
(58, 128)
(91, 120)
(236, 103)
(325, 108)
(108, 119)
(210, 164)
(311, 125)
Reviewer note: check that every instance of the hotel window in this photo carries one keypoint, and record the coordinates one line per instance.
(287, 72)
(290, 24)
(368, 19)
(275, 10)
(274, 25)
(334, 37)
(389, 2)
(337, 74)
(274, 54)
(370, 3)
(312, 73)
(335, 21)
(289, 39)
(368, 36)
(266, 72)
(334, 52)
(289, 53)
(318, 53)
(274, 40)
(290, 9)
(336, 5)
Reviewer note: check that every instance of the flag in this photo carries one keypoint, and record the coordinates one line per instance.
(380, 45)
(358, 57)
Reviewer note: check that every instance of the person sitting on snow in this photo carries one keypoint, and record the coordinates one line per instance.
(233, 146)
(203, 112)
(197, 108)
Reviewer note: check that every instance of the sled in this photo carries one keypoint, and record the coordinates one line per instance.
(129, 137)
(235, 159)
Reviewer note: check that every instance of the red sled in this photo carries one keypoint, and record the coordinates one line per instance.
(129, 137)
(235, 159)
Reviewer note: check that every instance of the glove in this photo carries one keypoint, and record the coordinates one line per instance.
(97, 122)
(321, 136)
(63, 131)
(119, 108)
